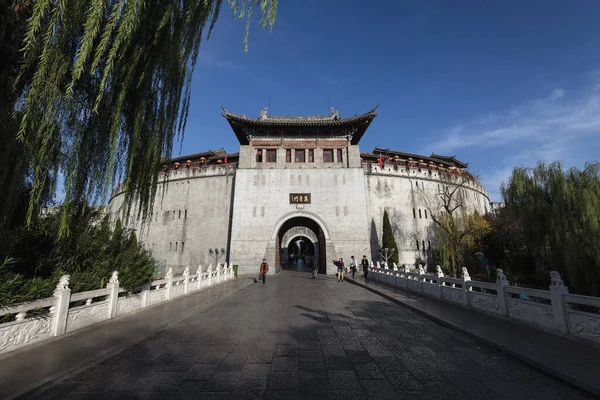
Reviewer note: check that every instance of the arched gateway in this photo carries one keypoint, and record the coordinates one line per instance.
(304, 226)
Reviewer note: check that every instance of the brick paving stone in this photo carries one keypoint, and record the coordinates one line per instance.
(343, 380)
(283, 380)
(379, 390)
(404, 381)
(285, 364)
(200, 372)
(317, 341)
(360, 356)
(287, 350)
(310, 356)
(255, 372)
(368, 371)
(306, 377)
(261, 357)
(281, 395)
(338, 363)
(333, 351)
(348, 395)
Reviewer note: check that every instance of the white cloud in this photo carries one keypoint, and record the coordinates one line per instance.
(561, 126)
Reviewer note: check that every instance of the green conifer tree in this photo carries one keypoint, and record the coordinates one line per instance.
(388, 239)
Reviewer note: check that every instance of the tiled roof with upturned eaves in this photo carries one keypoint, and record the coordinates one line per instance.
(241, 124)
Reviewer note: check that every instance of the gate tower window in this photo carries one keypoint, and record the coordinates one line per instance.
(339, 155)
(299, 155)
(271, 155)
(327, 155)
(258, 155)
(288, 155)
(311, 155)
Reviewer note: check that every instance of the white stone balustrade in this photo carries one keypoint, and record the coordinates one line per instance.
(554, 310)
(64, 315)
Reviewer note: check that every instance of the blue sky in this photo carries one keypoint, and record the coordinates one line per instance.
(496, 83)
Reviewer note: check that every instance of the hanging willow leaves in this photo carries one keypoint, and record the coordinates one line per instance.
(559, 212)
(107, 90)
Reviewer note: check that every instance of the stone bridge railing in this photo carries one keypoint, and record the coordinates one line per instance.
(554, 310)
(63, 313)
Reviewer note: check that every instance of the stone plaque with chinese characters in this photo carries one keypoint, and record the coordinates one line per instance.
(299, 198)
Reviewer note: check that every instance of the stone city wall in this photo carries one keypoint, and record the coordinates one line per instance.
(192, 211)
(409, 195)
(190, 216)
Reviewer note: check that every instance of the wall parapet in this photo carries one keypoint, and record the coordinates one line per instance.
(63, 312)
(425, 173)
(554, 310)
(174, 175)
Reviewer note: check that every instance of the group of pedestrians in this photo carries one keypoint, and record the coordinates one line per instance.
(341, 267)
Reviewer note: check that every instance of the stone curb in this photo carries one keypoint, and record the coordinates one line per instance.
(569, 379)
(40, 387)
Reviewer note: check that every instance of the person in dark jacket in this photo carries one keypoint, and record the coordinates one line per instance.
(365, 266)
(340, 269)
(264, 268)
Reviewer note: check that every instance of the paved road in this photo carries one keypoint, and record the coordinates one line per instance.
(301, 338)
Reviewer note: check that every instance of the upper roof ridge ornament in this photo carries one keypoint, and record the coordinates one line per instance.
(334, 114)
(264, 114)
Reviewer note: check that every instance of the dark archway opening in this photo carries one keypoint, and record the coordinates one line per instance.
(300, 254)
(318, 248)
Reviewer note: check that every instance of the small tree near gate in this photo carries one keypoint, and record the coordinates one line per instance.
(388, 240)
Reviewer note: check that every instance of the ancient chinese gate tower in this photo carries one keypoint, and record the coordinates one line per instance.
(298, 177)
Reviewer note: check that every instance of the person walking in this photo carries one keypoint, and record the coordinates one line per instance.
(264, 268)
(353, 266)
(340, 269)
(365, 266)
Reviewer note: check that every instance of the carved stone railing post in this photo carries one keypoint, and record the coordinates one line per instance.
(145, 293)
(209, 270)
(199, 278)
(439, 274)
(465, 278)
(60, 311)
(113, 294)
(557, 289)
(501, 283)
(186, 279)
(169, 286)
